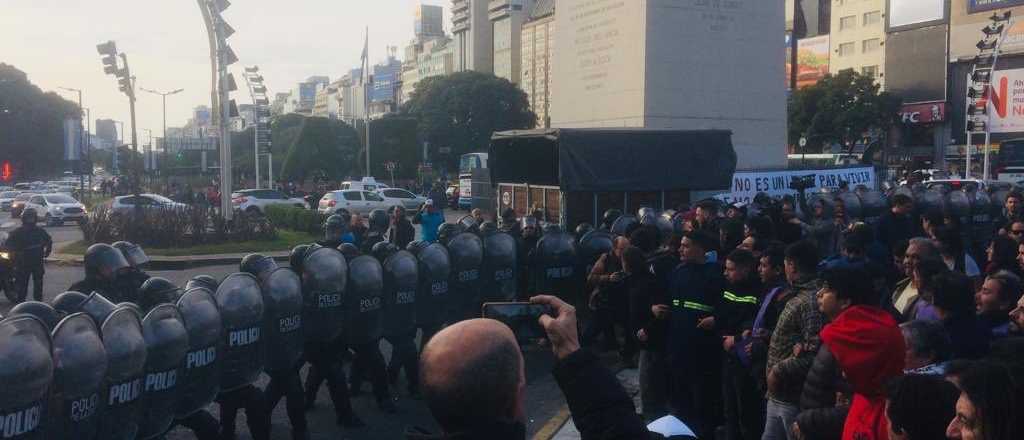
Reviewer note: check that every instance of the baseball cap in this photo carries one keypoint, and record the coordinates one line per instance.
(430, 202)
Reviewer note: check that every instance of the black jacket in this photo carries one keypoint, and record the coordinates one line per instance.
(641, 287)
(30, 245)
(401, 234)
(820, 418)
(969, 338)
(892, 228)
(599, 405)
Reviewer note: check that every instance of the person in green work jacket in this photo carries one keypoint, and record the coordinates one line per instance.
(695, 291)
(744, 404)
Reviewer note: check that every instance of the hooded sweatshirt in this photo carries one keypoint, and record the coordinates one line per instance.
(869, 347)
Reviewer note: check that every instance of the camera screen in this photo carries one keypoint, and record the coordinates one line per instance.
(522, 318)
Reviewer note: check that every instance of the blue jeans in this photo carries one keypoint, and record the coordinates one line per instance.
(780, 416)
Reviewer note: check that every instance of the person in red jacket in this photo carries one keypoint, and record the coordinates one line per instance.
(866, 343)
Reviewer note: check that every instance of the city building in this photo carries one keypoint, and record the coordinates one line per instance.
(326, 105)
(428, 21)
(916, 61)
(507, 17)
(200, 124)
(279, 103)
(106, 129)
(303, 95)
(433, 57)
(353, 93)
(538, 48)
(471, 32)
(652, 64)
(857, 37)
(967, 18)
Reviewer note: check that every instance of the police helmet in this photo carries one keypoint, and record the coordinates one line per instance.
(132, 252)
(68, 302)
(156, 291)
(41, 310)
(104, 260)
(446, 231)
(349, 250)
(204, 281)
(488, 228)
(378, 220)
(582, 229)
(29, 216)
(297, 255)
(256, 264)
(610, 216)
(381, 251)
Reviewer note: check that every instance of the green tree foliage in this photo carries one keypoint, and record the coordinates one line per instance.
(32, 126)
(392, 139)
(841, 108)
(320, 148)
(462, 110)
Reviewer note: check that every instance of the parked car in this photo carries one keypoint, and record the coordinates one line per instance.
(254, 201)
(7, 270)
(403, 198)
(19, 203)
(354, 201)
(6, 198)
(126, 204)
(55, 209)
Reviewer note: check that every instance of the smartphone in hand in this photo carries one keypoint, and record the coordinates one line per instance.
(521, 317)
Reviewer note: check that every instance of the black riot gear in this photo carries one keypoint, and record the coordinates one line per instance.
(68, 302)
(432, 297)
(29, 217)
(446, 231)
(593, 245)
(25, 373)
(43, 311)
(256, 264)
(624, 225)
(582, 229)
(378, 220)
(401, 282)
(609, 218)
(487, 228)
(30, 246)
(166, 348)
(126, 361)
(104, 261)
(204, 281)
(200, 378)
(98, 307)
(155, 291)
(335, 227)
(469, 223)
(324, 281)
(554, 265)
(498, 270)
(132, 252)
(466, 252)
(364, 323)
(349, 250)
(381, 251)
(81, 366)
(296, 256)
(241, 309)
(283, 304)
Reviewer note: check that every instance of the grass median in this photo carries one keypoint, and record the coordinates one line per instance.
(285, 241)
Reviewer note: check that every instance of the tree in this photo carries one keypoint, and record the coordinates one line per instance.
(392, 139)
(32, 126)
(321, 148)
(842, 108)
(462, 110)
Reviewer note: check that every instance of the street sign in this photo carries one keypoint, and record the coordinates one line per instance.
(191, 143)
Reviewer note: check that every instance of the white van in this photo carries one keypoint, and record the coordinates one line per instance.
(366, 184)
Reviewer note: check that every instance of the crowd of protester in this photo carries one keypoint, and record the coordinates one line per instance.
(775, 325)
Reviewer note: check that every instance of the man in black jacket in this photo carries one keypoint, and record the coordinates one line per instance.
(400, 232)
(474, 382)
(30, 245)
(897, 224)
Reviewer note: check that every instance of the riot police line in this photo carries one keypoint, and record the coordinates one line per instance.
(125, 356)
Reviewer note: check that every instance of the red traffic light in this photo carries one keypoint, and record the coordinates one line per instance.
(6, 171)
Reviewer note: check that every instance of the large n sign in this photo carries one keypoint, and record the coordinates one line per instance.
(1006, 101)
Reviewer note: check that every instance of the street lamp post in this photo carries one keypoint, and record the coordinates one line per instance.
(163, 97)
(221, 56)
(81, 134)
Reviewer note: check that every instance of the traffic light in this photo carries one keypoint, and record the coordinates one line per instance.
(6, 171)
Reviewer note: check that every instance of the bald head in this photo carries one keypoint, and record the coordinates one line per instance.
(471, 374)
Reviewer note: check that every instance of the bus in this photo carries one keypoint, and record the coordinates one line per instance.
(467, 163)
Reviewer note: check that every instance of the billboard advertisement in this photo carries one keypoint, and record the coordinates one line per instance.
(912, 12)
(72, 139)
(1006, 101)
(812, 60)
(988, 5)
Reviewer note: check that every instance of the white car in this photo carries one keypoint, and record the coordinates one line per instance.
(254, 201)
(354, 201)
(7, 198)
(403, 198)
(55, 209)
(127, 204)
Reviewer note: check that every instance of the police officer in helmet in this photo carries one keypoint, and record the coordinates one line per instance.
(336, 232)
(30, 245)
(378, 226)
(103, 265)
(133, 277)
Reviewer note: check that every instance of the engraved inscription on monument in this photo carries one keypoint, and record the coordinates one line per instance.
(596, 37)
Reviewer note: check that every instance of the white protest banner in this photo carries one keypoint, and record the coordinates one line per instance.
(746, 184)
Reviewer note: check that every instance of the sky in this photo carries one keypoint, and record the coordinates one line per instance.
(54, 43)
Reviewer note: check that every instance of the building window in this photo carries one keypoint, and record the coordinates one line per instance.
(871, 71)
(847, 22)
(871, 45)
(872, 18)
(846, 49)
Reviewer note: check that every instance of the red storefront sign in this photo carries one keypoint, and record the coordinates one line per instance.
(923, 113)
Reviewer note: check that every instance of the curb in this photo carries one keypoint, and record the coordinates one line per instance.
(553, 425)
(157, 262)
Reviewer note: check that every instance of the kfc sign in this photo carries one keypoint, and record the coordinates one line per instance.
(924, 113)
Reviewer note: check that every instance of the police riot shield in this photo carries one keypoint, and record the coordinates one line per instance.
(467, 253)
(499, 268)
(851, 205)
(959, 206)
(241, 310)
(282, 301)
(401, 279)
(364, 302)
(26, 370)
(931, 200)
(874, 204)
(80, 363)
(68, 302)
(981, 218)
(166, 347)
(432, 298)
(41, 310)
(814, 199)
(324, 280)
(126, 362)
(200, 376)
(593, 245)
(98, 307)
(623, 224)
(554, 266)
